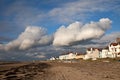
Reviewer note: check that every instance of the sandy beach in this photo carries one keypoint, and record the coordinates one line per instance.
(46, 70)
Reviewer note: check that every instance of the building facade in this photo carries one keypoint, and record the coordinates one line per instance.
(67, 56)
(92, 53)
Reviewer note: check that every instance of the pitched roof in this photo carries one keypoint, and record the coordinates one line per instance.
(114, 44)
(89, 49)
(105, 47)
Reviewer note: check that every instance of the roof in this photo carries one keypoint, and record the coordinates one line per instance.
(89, 49)
(114, 44)
(105, 47)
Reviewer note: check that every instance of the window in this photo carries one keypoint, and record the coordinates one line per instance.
(115, 50)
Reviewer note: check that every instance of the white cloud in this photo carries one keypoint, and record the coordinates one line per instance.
(81, 10)
(76, 32)
(47, 39)
(26, 43)
(64, 13)
(108, 38)
(101, 42)
(30, 37)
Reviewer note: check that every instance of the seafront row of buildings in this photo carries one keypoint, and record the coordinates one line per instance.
(111, 51)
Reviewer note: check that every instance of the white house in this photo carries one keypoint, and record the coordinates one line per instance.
(92, 53)
(67, 56)
(52, 58)
(114, 48)
(104, 53)
(112, 51)
(79, 56)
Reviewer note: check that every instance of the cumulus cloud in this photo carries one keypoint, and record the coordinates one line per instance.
(32, 36)
(45, 40)
(101, 42)
(77, 32)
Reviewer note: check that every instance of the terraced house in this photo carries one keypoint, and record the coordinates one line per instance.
(111, 51)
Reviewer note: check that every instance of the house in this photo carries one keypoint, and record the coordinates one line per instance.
(92, 53)
(104, 53)
(111, 51)
(67, 56)
(114, 49)
(52, 58)
(79, 56)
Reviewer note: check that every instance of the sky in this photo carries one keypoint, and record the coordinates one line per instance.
(39, 29)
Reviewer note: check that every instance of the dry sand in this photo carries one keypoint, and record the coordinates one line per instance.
(82, 70)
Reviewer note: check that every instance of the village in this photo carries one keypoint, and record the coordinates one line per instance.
(110, 51)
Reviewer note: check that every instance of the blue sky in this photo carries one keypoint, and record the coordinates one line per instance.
(16, 15)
